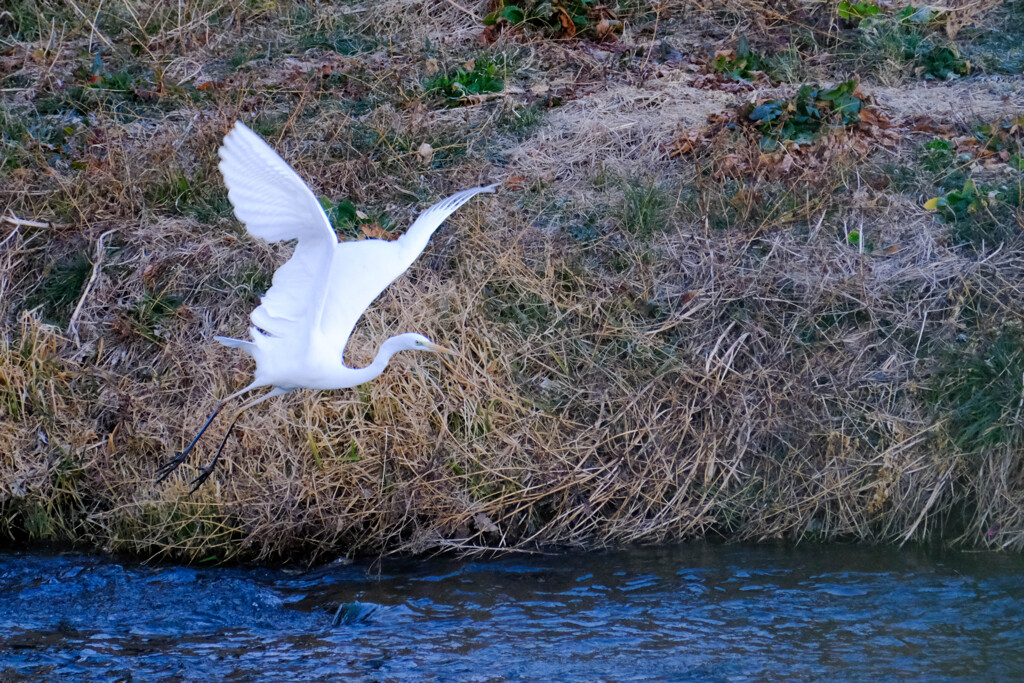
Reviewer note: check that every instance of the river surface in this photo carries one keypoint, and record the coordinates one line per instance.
(685, 613)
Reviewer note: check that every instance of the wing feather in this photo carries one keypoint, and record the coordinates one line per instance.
(361, 270)
(275, 204)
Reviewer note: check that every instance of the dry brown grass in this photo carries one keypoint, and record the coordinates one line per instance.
(646, 351)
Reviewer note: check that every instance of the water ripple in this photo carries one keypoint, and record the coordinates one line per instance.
(691, 612)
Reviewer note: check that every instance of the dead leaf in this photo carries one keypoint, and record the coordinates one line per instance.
(375, 232)
(489, 35)
(607, 28)
(568, 25)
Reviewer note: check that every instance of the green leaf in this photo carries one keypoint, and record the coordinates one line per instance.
(938, 144)
(743, 48)
(513, 14)
(769, 111)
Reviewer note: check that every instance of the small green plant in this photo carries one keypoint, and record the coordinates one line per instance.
(349, 222)
(475, 78)
(1004, 137)
(744, 65)
(585, 230)
(939, 62)
(566, 18)
(980, 390)
(857, 12)
(958, 205)
(938, 155)
(807, 115)
(980, 215)
(644, 208)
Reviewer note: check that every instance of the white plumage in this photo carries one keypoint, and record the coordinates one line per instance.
(303, 323)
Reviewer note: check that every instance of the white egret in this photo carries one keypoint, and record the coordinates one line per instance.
(300, 329)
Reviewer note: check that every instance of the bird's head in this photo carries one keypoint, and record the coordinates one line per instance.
(412, 341)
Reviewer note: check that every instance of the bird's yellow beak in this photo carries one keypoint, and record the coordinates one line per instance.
(437, 348)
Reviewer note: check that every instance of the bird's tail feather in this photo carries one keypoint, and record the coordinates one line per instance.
(236, 343)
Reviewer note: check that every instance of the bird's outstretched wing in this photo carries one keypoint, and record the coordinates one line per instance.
(362, 269)
(275, 204)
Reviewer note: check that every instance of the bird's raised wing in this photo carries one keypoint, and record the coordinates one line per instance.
(361, 270)
(275, 204)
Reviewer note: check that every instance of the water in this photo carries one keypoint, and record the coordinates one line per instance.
(691, 612)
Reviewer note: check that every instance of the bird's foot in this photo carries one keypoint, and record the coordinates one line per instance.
(171, 465)
(204, 474)
(174, 463)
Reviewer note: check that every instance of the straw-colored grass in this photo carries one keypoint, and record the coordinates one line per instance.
(650, 347)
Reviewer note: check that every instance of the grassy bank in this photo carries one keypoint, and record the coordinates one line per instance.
(755, 272)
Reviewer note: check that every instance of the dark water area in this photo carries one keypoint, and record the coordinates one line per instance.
(685, 613)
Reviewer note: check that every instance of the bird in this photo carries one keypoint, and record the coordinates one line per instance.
(301, 327)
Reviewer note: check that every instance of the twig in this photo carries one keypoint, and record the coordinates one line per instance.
(97, 264)
(460, 7)
(13, 233)
(14, 220)
(92, 25)
(927, 506)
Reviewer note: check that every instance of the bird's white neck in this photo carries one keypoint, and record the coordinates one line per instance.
(356, 376)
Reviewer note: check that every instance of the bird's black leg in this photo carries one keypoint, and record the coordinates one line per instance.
(208, 470)
(174, 463)
(205, 473)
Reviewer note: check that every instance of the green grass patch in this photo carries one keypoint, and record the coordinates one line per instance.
(644, 208)
(906, 42)
(981, 390)
(61, 287)
(147, 317)
(521, 121)
(523, 310)
(206, 202)
(252, 281)
(338, 40)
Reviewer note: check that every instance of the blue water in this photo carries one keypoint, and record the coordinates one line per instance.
(691, 612)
